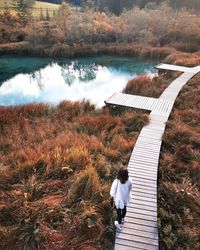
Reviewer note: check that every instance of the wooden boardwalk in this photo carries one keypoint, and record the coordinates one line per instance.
(140, 228)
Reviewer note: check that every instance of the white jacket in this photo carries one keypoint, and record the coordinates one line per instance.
(121, 192)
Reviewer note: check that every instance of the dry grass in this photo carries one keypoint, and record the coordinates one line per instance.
(179, 176)
(55, 173)
(185, 59)
(145, 86)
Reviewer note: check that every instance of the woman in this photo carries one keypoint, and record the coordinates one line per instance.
(120, 191)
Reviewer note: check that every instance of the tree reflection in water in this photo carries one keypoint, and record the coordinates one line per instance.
(84, 72)
(93, 78)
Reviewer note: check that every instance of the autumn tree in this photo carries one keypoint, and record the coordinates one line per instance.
(63, 19)
(23, 9)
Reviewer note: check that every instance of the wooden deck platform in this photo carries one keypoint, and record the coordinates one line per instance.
(140, 102)
(165, 66)
(140, 228)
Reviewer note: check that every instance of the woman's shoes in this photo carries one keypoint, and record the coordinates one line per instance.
(118, 226)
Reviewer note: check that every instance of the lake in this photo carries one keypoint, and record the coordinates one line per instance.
(35, 80)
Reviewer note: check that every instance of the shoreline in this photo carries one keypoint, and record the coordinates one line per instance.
(62, 50)
(58, 51)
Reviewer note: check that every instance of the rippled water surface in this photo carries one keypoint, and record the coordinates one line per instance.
(32, 79)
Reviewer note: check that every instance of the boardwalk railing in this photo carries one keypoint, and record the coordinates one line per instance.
(140, 228)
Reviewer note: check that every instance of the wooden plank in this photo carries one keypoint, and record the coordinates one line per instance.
(151, 137)
(144, 184)
(136, 197)
(143, 162)
(150, 143)
(152, 131)
(140, 221)
(144, 189)
(144, 207)
(133, 101)
(144, 194)
(147, 175)
(143, 176)
(146, 168)
(142, 168)
(154, 135)
(144, 145)
(144, 159)
(142, 172)
(121, 247)
(165, 66)
(154, 127)
(135, 200)
(142, 211)
(143, 165)
(155, 144)
(138, 157)
(153, 140)
(133, 244)
(141, 147)
(137, 238)
(141, 216)
(146, 150)
(151, 183)
(135, 226)
(145, 154)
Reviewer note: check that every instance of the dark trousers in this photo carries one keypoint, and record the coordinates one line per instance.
(121, 213)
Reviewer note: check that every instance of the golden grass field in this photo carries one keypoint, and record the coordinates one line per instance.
(37, 7)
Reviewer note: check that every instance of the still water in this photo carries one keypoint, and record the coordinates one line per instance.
(32, 79)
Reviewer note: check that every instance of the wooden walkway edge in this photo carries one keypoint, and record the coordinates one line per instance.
(140, 228)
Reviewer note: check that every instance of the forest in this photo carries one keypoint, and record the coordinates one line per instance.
(117, 6)
(70, 30)
(57, 163)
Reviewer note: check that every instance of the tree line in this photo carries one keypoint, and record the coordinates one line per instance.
(117, 6)
(113, 6)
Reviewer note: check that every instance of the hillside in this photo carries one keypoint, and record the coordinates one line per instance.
(38, 7)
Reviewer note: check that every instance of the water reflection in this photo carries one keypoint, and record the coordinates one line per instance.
(72, 80)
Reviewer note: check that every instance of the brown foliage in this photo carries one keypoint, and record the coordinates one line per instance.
(144, 85)
(55, 171)
(179, 196)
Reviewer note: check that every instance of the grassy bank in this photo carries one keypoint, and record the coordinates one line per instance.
(167, 54)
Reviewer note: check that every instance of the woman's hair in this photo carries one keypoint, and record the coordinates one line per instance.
(123, 175)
